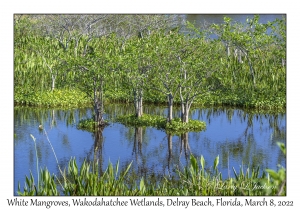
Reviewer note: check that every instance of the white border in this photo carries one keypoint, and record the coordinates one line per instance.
(8, 8)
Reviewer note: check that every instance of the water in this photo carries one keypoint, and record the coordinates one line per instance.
(239, 138)
(199, 19)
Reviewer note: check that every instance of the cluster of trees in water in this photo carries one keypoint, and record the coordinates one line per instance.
(158, 58)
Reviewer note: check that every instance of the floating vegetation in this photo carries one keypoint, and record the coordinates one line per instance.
(175, 127)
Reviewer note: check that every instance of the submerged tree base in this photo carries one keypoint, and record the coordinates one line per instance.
(161, 123)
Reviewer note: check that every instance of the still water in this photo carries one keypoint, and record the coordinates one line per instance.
(200, 19)
(238, 136)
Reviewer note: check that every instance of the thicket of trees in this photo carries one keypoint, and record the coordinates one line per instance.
(150, 56)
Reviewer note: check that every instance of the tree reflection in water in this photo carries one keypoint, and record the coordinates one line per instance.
(238, 136)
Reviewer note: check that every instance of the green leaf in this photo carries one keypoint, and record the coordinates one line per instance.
(142, 186)
(216, 162)
(202, 162)
(273, 174)
(194, 163)
(282, 147)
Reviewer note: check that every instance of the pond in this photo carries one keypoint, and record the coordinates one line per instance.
(241, 138)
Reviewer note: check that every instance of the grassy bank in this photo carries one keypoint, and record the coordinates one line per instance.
(70, 98)
(75, 98)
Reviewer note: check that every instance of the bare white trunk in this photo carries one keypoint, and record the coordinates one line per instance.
(53, 83)
(238, 55)
(185, 113)
(170, 108)
(283, 62)
(228, 50)
(138, 102)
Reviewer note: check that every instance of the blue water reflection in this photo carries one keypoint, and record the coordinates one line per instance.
(239, 137)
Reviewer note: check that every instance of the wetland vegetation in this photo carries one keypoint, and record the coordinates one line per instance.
(73, 61)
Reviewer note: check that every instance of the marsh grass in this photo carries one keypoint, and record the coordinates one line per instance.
(56, 98)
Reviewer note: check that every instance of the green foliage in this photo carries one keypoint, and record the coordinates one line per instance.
(153, 66)
(57, 98)
(175, 127)
(144, 121)
(46, 186)
(279, 177)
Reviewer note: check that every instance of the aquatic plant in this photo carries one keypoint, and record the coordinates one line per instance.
(69, 98)
(194, 179)
(160, 122)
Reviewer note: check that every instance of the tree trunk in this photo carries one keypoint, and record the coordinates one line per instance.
(170, 108)
(98, 114)
(138, 102)
(185, 109)
(238, 55)
(228, 50)
(252, 72)
(53, 83)
(98, 104)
